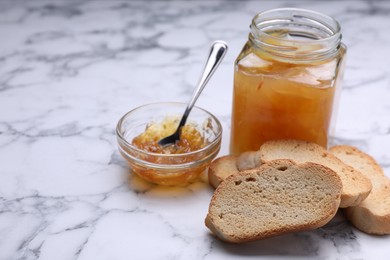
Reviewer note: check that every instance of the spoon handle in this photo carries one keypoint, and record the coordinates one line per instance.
(217, 52)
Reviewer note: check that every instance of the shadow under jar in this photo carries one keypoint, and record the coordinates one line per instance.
(139, 130)
(286, 79)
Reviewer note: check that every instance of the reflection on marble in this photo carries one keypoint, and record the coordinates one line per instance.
(70, 69)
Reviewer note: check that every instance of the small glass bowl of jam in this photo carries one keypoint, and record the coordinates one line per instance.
(139, 130)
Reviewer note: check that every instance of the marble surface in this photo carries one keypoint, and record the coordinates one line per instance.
(70, 69)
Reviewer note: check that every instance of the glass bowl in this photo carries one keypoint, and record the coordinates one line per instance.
(161, 168)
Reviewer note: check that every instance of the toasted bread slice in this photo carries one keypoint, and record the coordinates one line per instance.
(373, 214)
(276, 198)
(221, 168)
(356, 186)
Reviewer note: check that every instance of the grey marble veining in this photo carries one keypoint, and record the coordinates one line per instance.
(70, 69)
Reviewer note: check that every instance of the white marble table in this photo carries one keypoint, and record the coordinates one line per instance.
(70, 70)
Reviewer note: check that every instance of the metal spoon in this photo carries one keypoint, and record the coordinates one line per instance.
(217, 52)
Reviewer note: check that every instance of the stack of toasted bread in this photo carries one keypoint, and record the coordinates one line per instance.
(291, 185)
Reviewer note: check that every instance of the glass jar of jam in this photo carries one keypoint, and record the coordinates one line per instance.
(286, 78)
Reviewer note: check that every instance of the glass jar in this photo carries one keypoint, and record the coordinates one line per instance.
(286, 78)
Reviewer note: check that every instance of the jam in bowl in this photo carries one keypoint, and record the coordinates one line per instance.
(139, 130)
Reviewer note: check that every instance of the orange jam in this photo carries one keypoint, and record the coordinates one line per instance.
(276, 100)
(190, 139)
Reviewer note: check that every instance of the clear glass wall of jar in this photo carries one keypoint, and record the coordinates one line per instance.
(286, 79)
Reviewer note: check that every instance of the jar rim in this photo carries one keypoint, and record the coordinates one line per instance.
(312, 28)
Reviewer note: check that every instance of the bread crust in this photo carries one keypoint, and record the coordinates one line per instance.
(372, 215)
(240, 209)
